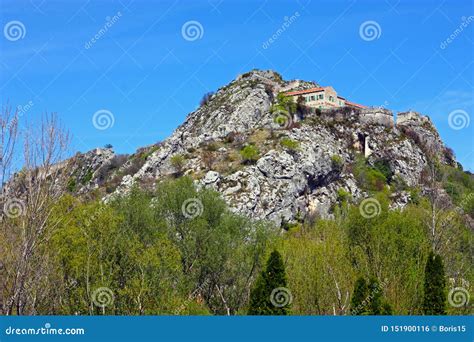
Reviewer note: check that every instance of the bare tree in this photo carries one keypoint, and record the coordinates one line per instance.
(28, 199)
(8, 139)
(439, 202)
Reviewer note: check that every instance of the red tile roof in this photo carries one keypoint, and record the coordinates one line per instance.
(305, 91)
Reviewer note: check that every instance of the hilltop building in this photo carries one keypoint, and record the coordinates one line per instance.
(322, 98)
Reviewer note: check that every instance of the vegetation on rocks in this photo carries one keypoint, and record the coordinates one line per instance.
(250, 154)
(177, 162)
(289, 144)
(179, 250)
(390, 233)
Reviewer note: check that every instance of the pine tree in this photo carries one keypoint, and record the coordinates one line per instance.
(270, 295)
(375, 293)
(386, 309)
(368, 298)
(358, 297)
(434, 299)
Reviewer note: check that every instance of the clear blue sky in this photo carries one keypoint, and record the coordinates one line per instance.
(144, 71)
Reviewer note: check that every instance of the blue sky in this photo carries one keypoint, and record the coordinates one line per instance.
(149, 74)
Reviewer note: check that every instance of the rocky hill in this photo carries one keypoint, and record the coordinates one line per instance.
(270, 164)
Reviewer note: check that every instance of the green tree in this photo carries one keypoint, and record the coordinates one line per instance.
(318, 267)
(368, 298)
(112, 255)
(358, 306)
(220, 250)
(434, 299)
(249, 154)
(394, 246)
(386, 309)
(177, 162)
(270, 295)
(375, 293)
(284, 103)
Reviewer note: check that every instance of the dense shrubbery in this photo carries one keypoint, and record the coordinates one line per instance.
(176, 251)
(179, 250)
(369, 178)
(390, 249)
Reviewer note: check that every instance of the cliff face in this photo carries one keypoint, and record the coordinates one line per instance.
(301, 163)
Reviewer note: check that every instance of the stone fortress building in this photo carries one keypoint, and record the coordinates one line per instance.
(322, 98)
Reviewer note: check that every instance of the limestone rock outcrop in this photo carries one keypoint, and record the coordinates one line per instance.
(301, 167)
